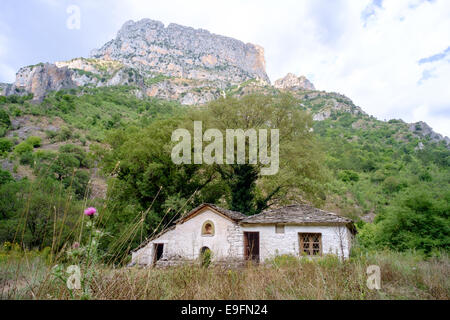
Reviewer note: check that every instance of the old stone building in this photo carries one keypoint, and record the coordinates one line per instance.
(232, 237)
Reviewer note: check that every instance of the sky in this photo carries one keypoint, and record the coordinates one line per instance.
(391, 57)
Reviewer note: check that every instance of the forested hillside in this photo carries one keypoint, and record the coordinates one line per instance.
(110, 148)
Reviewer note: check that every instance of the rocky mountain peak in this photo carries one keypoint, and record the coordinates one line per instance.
(184, 52)
(41, 78)
(423, 129)
(291, 81)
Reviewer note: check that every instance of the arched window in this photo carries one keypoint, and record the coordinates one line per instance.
(208, 229)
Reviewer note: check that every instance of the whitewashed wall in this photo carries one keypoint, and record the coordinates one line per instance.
(273, 244)
(144, 256)
(186, 240)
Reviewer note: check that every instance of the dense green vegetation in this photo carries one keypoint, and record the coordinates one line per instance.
(351, 163)
(380, 169)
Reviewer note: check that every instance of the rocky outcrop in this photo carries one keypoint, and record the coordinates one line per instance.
(42, 78)
(184, 52)
(292, 82)
(334, 106)
(4, 89)
(424, 130)
(174, 62)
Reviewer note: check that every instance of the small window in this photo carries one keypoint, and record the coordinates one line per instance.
(279, 228)
(310, 244)
(208, 229)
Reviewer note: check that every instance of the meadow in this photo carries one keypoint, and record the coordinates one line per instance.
(31, 275)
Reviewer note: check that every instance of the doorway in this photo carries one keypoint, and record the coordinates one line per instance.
(158, 252)
(205, 257)
(251, 246)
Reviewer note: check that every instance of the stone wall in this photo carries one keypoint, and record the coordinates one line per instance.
(273, 244)
(236, 240)
(186, 241)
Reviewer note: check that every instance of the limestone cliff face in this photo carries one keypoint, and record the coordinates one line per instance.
(40, 79)
(173, 62)
(184, 52)
(292, 82)
(4, 89)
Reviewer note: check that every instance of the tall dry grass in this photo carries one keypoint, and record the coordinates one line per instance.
(28, 274)
(404, 276)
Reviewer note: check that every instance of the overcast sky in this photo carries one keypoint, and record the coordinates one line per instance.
(391, 57)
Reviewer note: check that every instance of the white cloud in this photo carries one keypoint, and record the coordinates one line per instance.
(365, 50)
(6, 72)
(373, 59)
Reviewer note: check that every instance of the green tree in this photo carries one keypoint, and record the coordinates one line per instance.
(417, 220)
(142, 159)
(301, 173)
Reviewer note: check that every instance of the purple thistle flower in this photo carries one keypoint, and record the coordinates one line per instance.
(90, 212)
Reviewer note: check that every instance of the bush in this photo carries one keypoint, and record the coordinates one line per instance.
(64, 134)
(5, 177)
(5, 145)
(34, 141)
(418, 220)
(348, 175)
(78, 183)
(51, 134)
(392, 184)
(26, 158)
(4, 119)
(76, 152)
(23, 147)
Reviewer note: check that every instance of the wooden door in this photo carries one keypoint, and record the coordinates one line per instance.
(251, 246)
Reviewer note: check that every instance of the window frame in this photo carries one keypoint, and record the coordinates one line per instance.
(203, 230)
(309, 251)
(280, 229)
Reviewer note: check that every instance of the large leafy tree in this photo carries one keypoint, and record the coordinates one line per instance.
(146, 176)
(143, 157)
(301, 174)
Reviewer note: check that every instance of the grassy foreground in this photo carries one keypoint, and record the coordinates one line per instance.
(403, 276)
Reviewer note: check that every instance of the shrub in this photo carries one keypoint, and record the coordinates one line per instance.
(51, 134)
(34, 141)
(26, 158)
(78, 183)
(5, 177)
(23, 147)
(348, 175)
(76, 152)
(5, 145)
(4, 119)
(392, 184)
(65, 134)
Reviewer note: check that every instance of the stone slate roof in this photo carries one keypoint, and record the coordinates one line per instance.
(233, 215)
(300, 214)
(297, 214)
(148, 240)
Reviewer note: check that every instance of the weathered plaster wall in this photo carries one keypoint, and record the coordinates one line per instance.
(185, 241)
(273, 244)
(144, 256)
